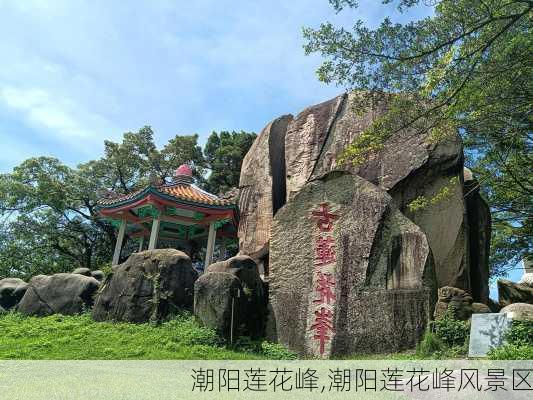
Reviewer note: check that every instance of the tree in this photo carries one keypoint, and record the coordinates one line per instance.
(224, 153)
(466, 68)
(48, 210)
(48, 225)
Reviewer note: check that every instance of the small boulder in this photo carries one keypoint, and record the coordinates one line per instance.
(510, 292)
(149, 286)
(11, 291)
(98, 275)
(253, 295)
(480, 308)
(520, 311)
(456, 301)
(82, 271)
(67, 294)
(215, 295)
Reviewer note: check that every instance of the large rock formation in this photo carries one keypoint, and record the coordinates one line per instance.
(149, 286)
(262, 188)
(348, 272)
(479, 229)
(11, 291)
(234, 283)
(66, 294)
(409, 166)
(510, 292)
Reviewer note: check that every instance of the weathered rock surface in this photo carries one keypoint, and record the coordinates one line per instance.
(66, 294)
(494, 306)
(98, 275)
(82, 271)
(262, 188)
(407, 167)
(453, 300)
(149, 286)
(480, 308)
(11, 291)
(458, 303)
(526, 279)
(521, 311)
(510, 292)
(376, 260)
(251, 299)
(215, 294)
(479, 230)
(305, 139)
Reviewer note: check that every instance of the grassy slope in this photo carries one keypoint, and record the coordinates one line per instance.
(79, 338)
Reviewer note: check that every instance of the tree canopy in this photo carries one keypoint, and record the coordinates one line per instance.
(224, 153)
(49, 221)
(465, 68)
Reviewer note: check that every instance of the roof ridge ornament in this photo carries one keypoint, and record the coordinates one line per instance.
(183, 175)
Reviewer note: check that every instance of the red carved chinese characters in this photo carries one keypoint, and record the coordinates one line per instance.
(322, 326)
(324, 218)
(325, 288)
(324, 251)
(325, 258)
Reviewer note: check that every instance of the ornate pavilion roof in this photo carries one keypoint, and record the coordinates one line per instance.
(178, 191)
(178, 204)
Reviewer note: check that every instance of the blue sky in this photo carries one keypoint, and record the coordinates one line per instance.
(74, 73)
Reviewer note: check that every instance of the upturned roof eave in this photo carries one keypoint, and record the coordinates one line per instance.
(151, 190)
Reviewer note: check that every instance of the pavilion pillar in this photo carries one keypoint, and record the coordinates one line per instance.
(210, 245)
(141, 244)
(120, 241)
(154, 236)
(222, 255)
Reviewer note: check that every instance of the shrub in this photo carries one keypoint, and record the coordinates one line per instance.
(430, 344)
(276, 351)
(521, 333)
(452, 332)
(273, 351)
(519, 344)
(511, 352)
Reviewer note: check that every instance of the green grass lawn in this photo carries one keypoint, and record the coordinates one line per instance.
(61, 337)
(79, 338)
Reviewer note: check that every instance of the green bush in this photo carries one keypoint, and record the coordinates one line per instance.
(106, 268)
(511, 352)
(452, 332)
(445, 337)
(430, 345)
(521, 333)
(519, 344)
(275, 351)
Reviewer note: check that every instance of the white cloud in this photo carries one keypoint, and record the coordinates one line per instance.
(82, 72)
(62, 118)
